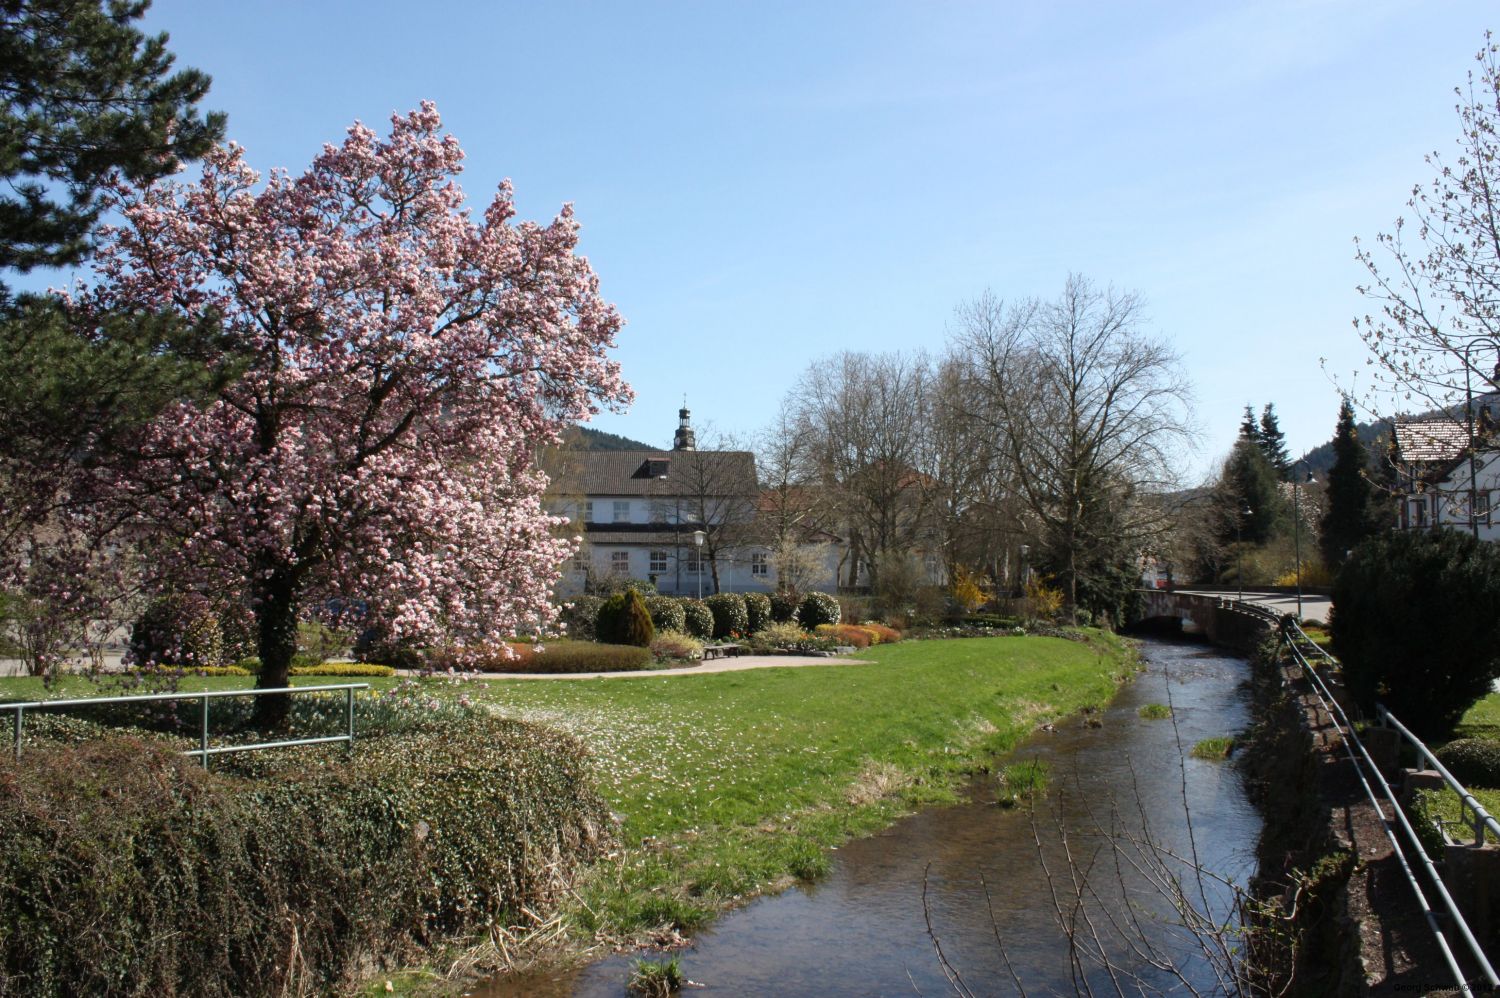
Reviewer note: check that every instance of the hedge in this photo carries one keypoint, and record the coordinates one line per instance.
(818, 608)
(758, 609)
(699, 619)
(562, 656)
(666, 613)
(624, 620)
(128, 869)
(730, 617)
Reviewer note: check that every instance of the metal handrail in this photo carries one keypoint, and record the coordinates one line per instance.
(1352, 742)
(203, 751)
(1482, 818)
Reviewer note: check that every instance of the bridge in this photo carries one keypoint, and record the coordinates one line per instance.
(1218, 614)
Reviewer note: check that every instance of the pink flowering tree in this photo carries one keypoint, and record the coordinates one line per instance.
(403, 360)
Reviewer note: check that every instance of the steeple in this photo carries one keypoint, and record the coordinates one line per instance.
(684, 440)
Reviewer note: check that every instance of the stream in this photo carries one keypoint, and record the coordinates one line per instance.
(992, 885)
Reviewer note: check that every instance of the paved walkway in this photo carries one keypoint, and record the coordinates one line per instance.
(737, 664)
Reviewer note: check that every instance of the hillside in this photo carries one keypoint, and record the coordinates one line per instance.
(585, 438)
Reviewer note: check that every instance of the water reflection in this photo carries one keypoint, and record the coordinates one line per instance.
(995, 879)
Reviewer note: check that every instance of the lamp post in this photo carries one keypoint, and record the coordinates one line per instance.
(1297, 482)
(1239, 550)
(698, 538)
(1024, 550)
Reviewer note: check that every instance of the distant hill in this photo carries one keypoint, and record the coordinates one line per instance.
(585, 438)
(1372, 434)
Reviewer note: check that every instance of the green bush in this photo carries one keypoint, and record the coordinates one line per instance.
(672, 645)
(730, 616)
(666, 613)
(317, 642)
(565, 656)
(698, 618)
(1416, 623)
(1472, 761)
(758, 610)
(181, 628)
(374, 646)
(624, 620)
(818, 608)
(128, 869)
(343, 669)
(783, 608)
(581, 615)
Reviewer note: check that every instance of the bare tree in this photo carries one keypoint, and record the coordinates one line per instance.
(1437, 331)
(714, 490)
(1089, 413)
(866, 419)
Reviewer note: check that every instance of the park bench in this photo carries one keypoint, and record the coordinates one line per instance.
(726, 650)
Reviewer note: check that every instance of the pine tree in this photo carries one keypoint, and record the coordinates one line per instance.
(1273, 442)
(1348, 518)
(1249, 428)
(84, 94)
(1252, 507)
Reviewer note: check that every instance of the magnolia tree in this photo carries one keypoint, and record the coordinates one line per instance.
(402, 361)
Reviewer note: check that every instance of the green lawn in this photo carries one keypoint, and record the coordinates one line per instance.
(730, 783)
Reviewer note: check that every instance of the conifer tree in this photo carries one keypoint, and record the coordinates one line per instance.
(1248, 493)
(1273, 442)
(1249, 428)
(1348, 517)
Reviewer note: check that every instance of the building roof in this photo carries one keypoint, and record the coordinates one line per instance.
(1431, 439)
(652, 473)
(655, 536)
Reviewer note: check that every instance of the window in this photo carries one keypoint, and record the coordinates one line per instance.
(580, 562)
(622, 510)
(588, 511)
(759, 564)
(694, 566)
(658, 563)
(1419, 512)
(619, 562)
(1482, 508)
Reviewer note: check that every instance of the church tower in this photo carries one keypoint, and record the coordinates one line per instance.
(684, 439)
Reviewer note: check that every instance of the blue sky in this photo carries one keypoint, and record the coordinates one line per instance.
(764, 184)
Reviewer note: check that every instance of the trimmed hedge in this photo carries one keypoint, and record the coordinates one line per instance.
(698, 618)
(1473, 762)
(564, 656)
(730, 617)
(624, 620)
(666, 613)
(128, 869)
(758, 609)
(783, 608)
(581, 615)
(818, 608)
(343, 669)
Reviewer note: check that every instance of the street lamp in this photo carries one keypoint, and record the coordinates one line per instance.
(1297, 481)
(1239, 550)
(698, 538)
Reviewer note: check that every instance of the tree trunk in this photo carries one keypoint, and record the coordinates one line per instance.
(276, 620)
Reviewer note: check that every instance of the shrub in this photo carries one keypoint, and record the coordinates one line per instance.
(343, 669)
(730, 616)
(676, 645)
(563, 656)
(881, 634)
(374, 646)
(581, 617)
(624, 620)
(757, 611)
(666, 613)
(1416, 622)
(818, 608)
(784, 608)
(318, 642)
(1472, 761)
(780, 637)
(181, 628)
(349, 865)
(698, 618)
(846, 634)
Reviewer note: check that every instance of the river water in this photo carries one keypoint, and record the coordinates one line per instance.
(1128, 812)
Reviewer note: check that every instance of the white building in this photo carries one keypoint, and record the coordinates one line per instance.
(640, 510)
(1440, 487)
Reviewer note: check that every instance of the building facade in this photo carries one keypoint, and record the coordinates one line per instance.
(1440, 486)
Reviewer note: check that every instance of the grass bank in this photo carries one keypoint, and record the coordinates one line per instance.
(731, 784)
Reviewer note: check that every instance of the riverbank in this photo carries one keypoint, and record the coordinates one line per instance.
(729, 785)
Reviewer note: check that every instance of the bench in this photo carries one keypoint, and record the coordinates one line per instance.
(726, 650)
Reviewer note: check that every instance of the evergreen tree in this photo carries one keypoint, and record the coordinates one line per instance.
(1348, 517)
(1249, 496)
(1273, 442)
(1249, 428)
(83, 95)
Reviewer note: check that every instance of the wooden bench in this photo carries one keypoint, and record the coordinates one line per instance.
(727, 650)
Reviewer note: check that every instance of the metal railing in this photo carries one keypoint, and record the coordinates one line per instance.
(1470, 811)
(1368, 772)
(203, 751)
